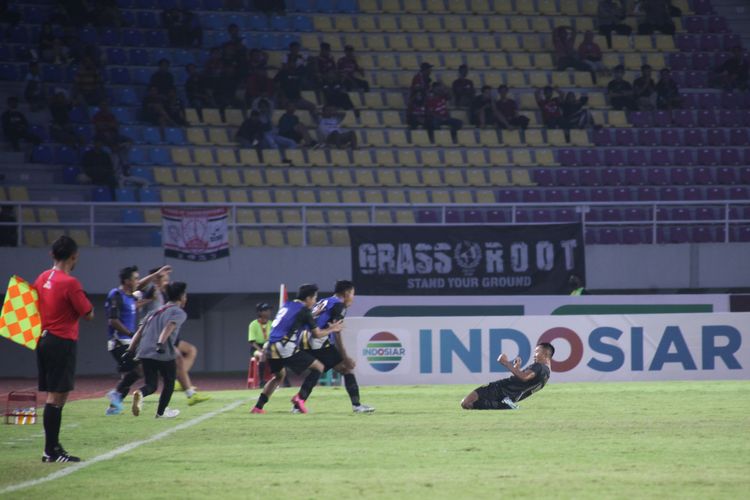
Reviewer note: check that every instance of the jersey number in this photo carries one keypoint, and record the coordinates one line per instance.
(279, 316)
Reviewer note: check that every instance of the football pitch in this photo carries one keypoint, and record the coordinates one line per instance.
(605, 440)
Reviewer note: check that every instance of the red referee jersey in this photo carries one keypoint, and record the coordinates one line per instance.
(62, 302)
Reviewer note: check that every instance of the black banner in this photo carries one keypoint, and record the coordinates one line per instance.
(466, 260)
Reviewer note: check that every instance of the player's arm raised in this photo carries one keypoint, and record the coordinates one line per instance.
(515, 368)
(151, 277)
(334, 327)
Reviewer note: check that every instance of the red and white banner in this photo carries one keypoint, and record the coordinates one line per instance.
(195, 234)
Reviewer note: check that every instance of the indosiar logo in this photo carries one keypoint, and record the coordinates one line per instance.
(384, 351)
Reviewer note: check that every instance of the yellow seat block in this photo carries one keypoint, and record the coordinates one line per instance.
(498, 177)
(522, 157)
(238, 196)
(418, 197)
(476, 157)
(216, 196)
(194, 196)
(251, 238)
(520, 177)
(181, 156)
(475, 177)
(208, 177)
(408, 158)
(249, 157)
(410, 178)
(196, 135)
(186, 177)
(454, 158)
(34, 238)
(485, 196)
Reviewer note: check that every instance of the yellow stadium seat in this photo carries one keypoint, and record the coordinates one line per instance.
(216, 196)
(251, 238)
(454, 24)
(344, 23)
(498, 157)
(273, 157)
(532, 43)
(314, 216)
(560, 79)
(203, 156)
(454, 177)
(152, 215)
(475, 24)
(351, 196)
(366, 24)
(569, 7)
(665, 43)
(431, 177)
(643, 43)
(466, 138)
(385, 158)
(388, 24)
(395, 100)
(408, 158)
(476, 157)
(430, 157)
(511, 138)
(579, 138)
(164, 176)
(488, 138)
(376, 43)
(454, 158)
(185, 177)
(207, 177)
(465, 44)
(264, 196)
(268, 216)
(296, 157)
(520, 177)
(375, 138)
(656, 61)
(246, 216)
(329, 196)
(404, 217)
(611, 60)
(509, 43)
(522, 157)
(498, 177)
(340, 238)
(556, 137)
(463, 197)
(238, 196)
(398, 42)
(475, 177)
(323, 23)
(298, 177)
(34, 238)
(342, 178)
(392, 119)
(387, 178)
(194, 196)
(544, 157)
(191, 115)
(418, 197)
(291, 216)
(373, 100)
(181, 156)
(196, 135)
(617, 119)
(538, 79)
(515, 79)
(584, 24)
(621, 43)
(254, 177)
(487, 43)
(275, 178)
(318, 238)
(421, 42)
(432, 24)
(81, 236)
(361, 158)
(583, 79)
(485, 196)
(534, 137)
(395, 196)
(410, 178)
(28, 215)
(248, 157)
(442, 197)
(398, 138)
(170, 196)
(369, 119)
(234, 118)
(364, 178)
(48, 215)
(443, 138)
(212, 117)
(305, 196)
(320, 177)
(633, 61)
(226, 157)
(340, 158)
(373, 196)
(294, 237)
(521, 61)
(442, 43)
(337, 217)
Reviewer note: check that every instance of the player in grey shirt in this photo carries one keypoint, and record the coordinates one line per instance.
(156, 350)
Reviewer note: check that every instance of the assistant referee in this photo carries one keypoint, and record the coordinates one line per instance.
(62, 302)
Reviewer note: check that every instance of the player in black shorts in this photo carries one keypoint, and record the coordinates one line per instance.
(506, 393)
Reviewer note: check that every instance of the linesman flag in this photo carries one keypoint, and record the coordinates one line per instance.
(20, 320)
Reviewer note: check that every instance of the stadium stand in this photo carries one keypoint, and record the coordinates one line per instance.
(615, 174)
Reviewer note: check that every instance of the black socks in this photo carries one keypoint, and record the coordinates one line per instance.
(350, 382)
(51, 419)
(262, 400)
(310, 382)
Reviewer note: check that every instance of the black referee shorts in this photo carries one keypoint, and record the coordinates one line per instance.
(56, 363)
(490, 397)
(297, 362)
(329, 356)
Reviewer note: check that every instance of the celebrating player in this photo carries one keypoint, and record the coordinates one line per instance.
(506, 393)
(330, 350)
(283, 349)
(156, 350)
(62, 302)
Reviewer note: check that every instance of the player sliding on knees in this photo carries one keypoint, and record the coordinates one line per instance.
(330, 350)
(506, 393)
(283, 347)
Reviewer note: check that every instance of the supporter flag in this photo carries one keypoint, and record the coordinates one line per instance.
(195, 234)
(283, 296)
(20, 320)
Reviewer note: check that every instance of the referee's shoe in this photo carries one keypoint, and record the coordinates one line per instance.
(59, 455)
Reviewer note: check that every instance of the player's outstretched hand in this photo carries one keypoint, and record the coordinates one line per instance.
(165, 269)
(517, 362)
(337, 326)
(503, 359)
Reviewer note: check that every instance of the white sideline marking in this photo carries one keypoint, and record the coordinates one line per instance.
(75, 467)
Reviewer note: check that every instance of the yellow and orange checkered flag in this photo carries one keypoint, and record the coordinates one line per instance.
(20, 320)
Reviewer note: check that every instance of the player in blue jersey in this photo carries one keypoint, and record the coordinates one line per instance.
(330, 350)
(121, 306)
(283, 347)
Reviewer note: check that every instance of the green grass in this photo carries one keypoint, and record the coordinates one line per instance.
(608, 440)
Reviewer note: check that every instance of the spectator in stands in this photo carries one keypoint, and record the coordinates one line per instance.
(220, 88)
(295, 56)
(61, 129)
(87, 84)
(654, 15)
(271, 139)
(481, 111)
(257, 82)
(291, 127)
(33, 93)
(565, 55)
(326, 77)
(620, 91)
(8, 234)
(437, 110)
(289, 81)
(98, 166)
(506, 111)
(644, 90)
(250, 133)
(106, 13)
(610, 15)
(550, 106)
(574, 111)
(667, 93)
(183, 27)
(422, 79)
(591, 54)
(732, 73)
(196, 91)
(463, 88)
(352, 75)
(154, 110)
(16, 126)
(330, 132)
(107, 129)
(162, 78)
(51, 48)
(78, 50)
(270, 6)
(175, 108)
(416, 113)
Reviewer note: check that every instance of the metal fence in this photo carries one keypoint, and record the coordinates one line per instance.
(126, 224)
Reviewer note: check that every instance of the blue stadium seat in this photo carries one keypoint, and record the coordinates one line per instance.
(125, 194)
(101, 194)
(267, 42)
(325, 6)
(79, 114)
(132, 132)
(132, 38)
(213, 21)
(145, 4)
(143, 173)
(147, 19)
(148, 195)
(280, 23)
(151, 135)
(239, 20)
(174, 136)
(156, 38)
(258, 23)
(124, 115)
(139, 57)
(183, 57)
(192, 4)
(111, 36)
(283, 41)
(85, 131)
(9, 72)
(43, 154)
(160, 156)
(213, 4)
(128, 17)
(137, 156)
(141, 76)
(52, 73)
(157, 55)
(131, 216)
(347, 6)
(126, 96)
(70, 174)
(117, 56)
(18, 34)
(119, 76)
(303, 24)
(66, 155)
(167, 4)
